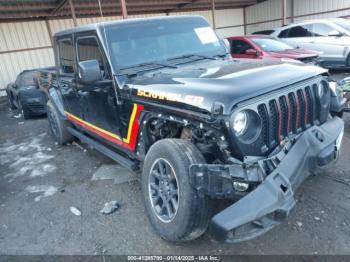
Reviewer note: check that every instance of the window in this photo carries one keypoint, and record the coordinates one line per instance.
(322, 30)
(66, 56)
(271, 45)
(29, 78)
(297, 31)
(264, 32)
(132, 44)
(343, 23)
(239, 47)
(88, 49)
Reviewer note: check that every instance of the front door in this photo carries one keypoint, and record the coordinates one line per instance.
(98, 100)
(239, 49)
(332, 47)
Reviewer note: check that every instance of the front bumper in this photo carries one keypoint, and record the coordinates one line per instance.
(273, 197)
(332, 62)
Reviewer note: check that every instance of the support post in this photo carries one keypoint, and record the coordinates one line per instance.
(284, 12)
(213, 12)
(73, 12)
(124, 10)
(245, 19)
(49, 30)
(292, 11)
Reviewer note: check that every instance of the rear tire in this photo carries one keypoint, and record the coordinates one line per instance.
(58, 126)
(26, 114)
(190, 216)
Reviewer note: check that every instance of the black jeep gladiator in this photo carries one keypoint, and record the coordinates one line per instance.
(163, 97)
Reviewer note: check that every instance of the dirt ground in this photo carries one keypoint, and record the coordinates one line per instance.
(40, 181)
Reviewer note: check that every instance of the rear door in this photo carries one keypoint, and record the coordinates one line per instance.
(298, 36)
(68, 74)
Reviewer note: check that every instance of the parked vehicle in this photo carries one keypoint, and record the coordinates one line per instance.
(259, 47)
(24, 94)
(263, 32)
(162, 96)
(329, 36)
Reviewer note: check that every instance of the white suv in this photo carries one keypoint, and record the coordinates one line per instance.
(331, 37)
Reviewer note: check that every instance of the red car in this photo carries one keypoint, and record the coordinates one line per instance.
(260, 46)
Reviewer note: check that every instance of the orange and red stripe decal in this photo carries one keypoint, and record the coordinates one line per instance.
(128, 142)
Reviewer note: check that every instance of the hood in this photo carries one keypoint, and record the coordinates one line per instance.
(297, 53)
(200, 85)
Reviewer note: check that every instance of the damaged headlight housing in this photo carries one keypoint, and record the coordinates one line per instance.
(246, 125)
(240, 123)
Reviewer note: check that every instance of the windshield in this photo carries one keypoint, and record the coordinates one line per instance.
(270, 45)
(344, 24)
(136, 43)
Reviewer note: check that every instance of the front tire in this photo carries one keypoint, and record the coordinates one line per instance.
(24, 110)
(10, 101)
(175, 209)
(58, 126)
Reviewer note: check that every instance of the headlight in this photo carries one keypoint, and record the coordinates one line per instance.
(240, 123)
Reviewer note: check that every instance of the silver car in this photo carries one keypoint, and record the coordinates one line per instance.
(331, 37)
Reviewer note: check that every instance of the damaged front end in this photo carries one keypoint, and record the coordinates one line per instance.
(265, 186)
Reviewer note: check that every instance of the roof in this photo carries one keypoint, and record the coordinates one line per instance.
(251, 36)
(12, 10)
(96, 26)
(324, 20)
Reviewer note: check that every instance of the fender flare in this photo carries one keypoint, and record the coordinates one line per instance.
(56, 98)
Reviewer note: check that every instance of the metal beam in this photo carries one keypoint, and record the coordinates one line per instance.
(284, 12)
(63, 10)
(292, 11)
(181, 6)
(48, 27)
(124, 10)
(59, 6)
(245, 20)
(73, 12)
(213, 12)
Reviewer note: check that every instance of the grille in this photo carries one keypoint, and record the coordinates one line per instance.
(289, 114)
(307, 59)
(36, 106)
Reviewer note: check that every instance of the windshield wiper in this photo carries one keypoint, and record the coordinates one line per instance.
(196, 57)
(132, 70)
(149, 64)
(192, 55)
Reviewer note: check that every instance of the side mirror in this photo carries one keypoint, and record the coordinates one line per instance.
(89, 71)
(335, 33)
(251, 52)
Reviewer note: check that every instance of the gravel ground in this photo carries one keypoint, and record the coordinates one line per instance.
(40, 181)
